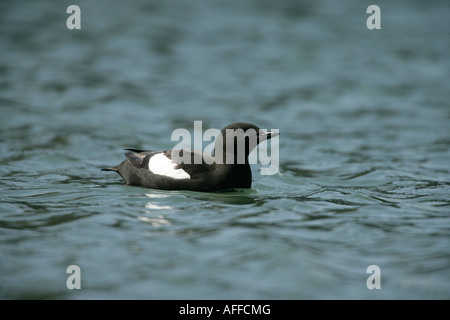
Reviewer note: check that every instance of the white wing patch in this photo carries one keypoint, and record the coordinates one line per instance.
(160, 164)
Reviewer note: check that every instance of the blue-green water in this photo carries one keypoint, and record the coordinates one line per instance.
(364, 149)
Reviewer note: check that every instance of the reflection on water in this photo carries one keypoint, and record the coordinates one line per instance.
(235, 196)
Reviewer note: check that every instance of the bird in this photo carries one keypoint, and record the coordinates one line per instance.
(227, 167)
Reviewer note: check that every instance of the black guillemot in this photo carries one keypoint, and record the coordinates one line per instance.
(226, 168)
